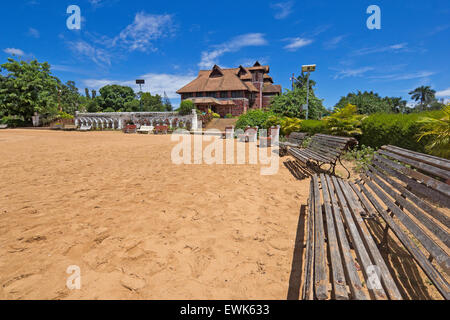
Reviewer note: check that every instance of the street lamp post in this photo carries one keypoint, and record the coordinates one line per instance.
(140, 83)
(308, 69)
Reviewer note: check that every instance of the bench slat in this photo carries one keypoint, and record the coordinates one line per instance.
(437, 279)
(432, 160)
(361, 252)
(354, 281)
(427, 222)
(357, 210)
(432, 211)
(435, 251)
(433, 189)
(320, 268)
(339, 284)
(308, 293)
(445, 174)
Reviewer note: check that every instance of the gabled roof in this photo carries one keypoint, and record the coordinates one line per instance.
(218, 79)
(271, 88)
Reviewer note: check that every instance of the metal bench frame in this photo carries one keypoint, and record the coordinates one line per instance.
(323, 150)
(397, 192)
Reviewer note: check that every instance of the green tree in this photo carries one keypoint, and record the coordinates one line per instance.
(424, 95)
(186, 107)
(370, 102)
(290, 103)
(86, 92)
(167, 103)
(69, 97)
(152, 103)
(28, 87)
(115, 96)
(132, 106)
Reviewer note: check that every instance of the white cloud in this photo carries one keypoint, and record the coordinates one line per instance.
(14, 52)
(403, 76)
(392, 48)
(347, 73)
(157, 83)
(297, 43)
(34, 33)
(443, 93)
(332, 43)
(144, 29)
(100, 56)
(283, 9)
(209, 58)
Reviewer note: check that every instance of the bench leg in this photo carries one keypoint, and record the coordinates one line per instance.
(349, 175)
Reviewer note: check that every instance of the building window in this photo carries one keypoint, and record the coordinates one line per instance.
(199, 94)
(224, 94)
(236, 94)
(211, 94)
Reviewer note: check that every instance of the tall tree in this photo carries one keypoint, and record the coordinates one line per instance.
(115, 96)
(86, 92)
(290, 103)
(69, 97)
(424, 94)
(370, 102)
(28, 87)
(167, 103)
(94, 94)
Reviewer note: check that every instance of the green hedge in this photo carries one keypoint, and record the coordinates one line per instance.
(400, 130)
(314, 127)
(253, 118)
(14, 122)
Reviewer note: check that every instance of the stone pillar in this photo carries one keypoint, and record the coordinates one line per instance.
(194, 122)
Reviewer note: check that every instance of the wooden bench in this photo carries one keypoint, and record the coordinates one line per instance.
(146, 129)
(399, 192)
(324, 149)
(69, 127)
(336, 224)
(295, 140)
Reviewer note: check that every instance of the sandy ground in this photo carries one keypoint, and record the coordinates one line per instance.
(138, 226)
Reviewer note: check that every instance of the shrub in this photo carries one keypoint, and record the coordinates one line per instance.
(253, 118)
(186, 107)
(14, 122)
(64, 115)
(314, 127)
(215, 115)
(228, 116)
(362, 155)
(438, 130)
(345, 122)
(401, 130)
(107, 110)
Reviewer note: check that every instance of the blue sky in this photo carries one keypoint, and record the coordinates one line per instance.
(167, 42)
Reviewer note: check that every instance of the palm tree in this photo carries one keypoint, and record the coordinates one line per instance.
(424, 94)
(439, 130)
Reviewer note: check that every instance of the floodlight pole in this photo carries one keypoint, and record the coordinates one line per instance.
(307, 96)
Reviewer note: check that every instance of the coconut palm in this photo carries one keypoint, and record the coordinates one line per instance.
(439, 130)
(424, 94)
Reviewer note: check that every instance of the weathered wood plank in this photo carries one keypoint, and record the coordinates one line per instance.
(437, 279)
(428, 159)
(427, 222)
(362, 254)
(308, 292)
(432, 211)
(445, 174)
(337, 271)
(320, 267)
(386, 278)
(435, 250)
(354, 281)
